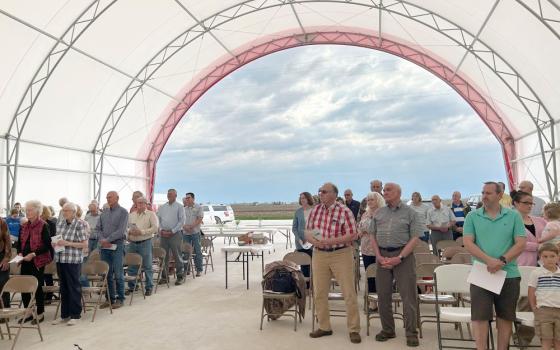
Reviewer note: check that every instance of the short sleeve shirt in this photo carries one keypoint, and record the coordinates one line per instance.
(438, 217)
(547, 285)
(191, 214)
(394, 227)
(496, 236)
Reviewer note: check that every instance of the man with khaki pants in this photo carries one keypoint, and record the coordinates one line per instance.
(395, 231)
(331, 229)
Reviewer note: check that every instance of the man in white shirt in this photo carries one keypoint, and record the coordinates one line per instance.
(440, 220)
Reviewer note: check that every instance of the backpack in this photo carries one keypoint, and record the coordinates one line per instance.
(282, 281)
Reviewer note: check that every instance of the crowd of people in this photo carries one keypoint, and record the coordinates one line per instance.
(504, 231)
(39, 238)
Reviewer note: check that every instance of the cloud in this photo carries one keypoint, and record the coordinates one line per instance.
(325, 112)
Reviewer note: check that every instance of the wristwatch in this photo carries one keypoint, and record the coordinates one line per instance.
(503, 259)
(401, 257)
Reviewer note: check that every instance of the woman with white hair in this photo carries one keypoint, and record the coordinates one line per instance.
(374, 201)
(74, 239)
(34, 246)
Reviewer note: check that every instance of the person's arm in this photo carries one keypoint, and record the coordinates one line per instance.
(153, 229)
(46, 238)
(180, 220)
(532, 298)
(550, 232)
(79, 240)
(348, 227)
(519, 237)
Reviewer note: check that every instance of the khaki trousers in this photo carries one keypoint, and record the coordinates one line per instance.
(340, 264)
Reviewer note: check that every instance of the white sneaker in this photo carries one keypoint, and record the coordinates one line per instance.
(72, 322)
(60, 320)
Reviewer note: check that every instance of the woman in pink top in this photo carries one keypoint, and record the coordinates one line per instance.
(534, 226)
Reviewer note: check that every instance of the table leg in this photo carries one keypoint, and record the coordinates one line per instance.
(262, 261)
(243, 263)
(226, 268)
(247, 270)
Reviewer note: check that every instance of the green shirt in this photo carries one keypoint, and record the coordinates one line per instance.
(496, 236)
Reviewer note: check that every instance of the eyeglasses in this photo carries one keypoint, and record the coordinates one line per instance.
(528, 203)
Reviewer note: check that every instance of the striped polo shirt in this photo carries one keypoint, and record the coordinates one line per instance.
(547, 284)
(459, 212)
(334, 221)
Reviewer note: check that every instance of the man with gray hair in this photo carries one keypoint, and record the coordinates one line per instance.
(171, 216)
(440, 220)
(111, 228)
(142, 226)
(396, 229)
(527, 187)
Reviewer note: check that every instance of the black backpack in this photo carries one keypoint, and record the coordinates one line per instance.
(281, 281)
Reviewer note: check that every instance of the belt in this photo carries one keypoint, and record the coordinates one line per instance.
(391, 249)
(142, 241)
(330, 249)
(93, 239)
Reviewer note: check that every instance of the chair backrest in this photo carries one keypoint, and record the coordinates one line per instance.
(298, 258)
(449, 252)
(371, 271)
(426, 258)
(50, 269)
(460, 241)
(461, 258)
(206, 243)
(525, 272)
(15, 269)
(422, 248)
(426, 270)
(158, 253)
(133, 259)
(186, 248)
(156, 242)
(441, 245)
(94, 255)
(21, 284)
(98, 267)
(452, 278)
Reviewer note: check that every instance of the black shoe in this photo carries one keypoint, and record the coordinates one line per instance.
(40, 319)
(163, 281)
(412, 341)
(383, 336)
(179, 281)
(128, 292)
(27, 319)
(148, 292)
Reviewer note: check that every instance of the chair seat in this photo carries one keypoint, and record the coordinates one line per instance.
(51, 289)
(425, 282)
(92, 289)
(269, 294)
(442, 299)
(336, 296)
(396, 297)
(130, 278)
(526, 318)
(455, 314)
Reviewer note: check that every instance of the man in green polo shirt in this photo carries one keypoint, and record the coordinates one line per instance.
(494, 235)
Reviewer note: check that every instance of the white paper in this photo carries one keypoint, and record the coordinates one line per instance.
(479, 276)
(307, 245)
(16, 259)
(112, 247)
(57, 248)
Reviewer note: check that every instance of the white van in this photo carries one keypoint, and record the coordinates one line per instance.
(217, 214)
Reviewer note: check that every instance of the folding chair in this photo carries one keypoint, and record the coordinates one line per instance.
(94, 255)
(524, 318)
(422, 247)
(302, 259)
(371, 272)
(426, 258)
(158, 254)
(96, 273)
(50, 269)
(270, 295)
(188, 250)
(461, 258)
(452, 279)
(207, 247)
(459, 241)
(19, 285)
(448, 253)
(443, 244)
(134, 260)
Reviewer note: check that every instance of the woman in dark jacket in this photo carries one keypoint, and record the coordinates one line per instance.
(5, 255)
(34, 246)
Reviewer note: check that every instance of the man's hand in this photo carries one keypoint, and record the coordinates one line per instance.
(187, 228)
(444, 227)
(105, 243)
(62, 243)
(459, 229)
(29, 257)
(4, 266)
(316, 242)
(494, 265)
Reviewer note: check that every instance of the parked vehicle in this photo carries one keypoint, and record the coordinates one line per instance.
(217, 214)
(473, 200)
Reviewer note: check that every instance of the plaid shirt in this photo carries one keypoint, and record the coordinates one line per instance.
(71, 232)
(333, 222)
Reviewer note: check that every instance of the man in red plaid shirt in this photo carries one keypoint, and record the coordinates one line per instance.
(331, 229)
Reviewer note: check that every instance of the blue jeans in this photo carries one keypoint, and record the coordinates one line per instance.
(143, 248)
(194, 240)
(426, 237)
(116, 272)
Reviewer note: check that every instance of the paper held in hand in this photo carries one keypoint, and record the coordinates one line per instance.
(57, 248)
(112, 247)
(16, 259)
(479, 276)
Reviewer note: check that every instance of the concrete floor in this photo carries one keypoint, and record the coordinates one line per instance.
(202, 314)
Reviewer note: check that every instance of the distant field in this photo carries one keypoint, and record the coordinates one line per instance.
(264, 211)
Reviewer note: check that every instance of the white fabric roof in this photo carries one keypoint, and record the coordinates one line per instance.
(71, 106)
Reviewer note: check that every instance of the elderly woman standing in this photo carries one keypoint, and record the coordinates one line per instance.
(298, 227)
(34, 246)
(74, 240)
(374, 201)
(422, 210)
(5, 254)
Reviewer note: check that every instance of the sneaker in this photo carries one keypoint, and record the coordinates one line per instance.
(117, 304)
(412, 341)
(319, 333)
(60, 321)
(179, 281)
(104, 305)
(383, 336)
(148, 292)
(72, 322)
(355, 337)
(198, 273)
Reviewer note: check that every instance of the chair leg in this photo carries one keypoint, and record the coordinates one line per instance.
(38, 324)
(295, 316)
(262, 314)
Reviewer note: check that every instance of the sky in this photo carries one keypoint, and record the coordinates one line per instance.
(293, 120)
